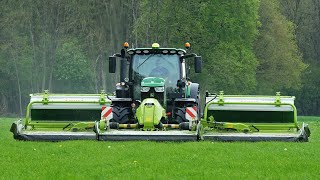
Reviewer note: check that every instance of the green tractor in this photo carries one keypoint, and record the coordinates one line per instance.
(155, 100)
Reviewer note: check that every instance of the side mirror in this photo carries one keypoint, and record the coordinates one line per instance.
(112, 64)
(197, 64)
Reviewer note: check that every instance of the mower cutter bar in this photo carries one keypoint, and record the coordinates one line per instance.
(55, 136)
(118, 135)
(20, 134)
(300, 136)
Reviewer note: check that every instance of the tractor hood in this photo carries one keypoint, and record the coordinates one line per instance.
(152, 82)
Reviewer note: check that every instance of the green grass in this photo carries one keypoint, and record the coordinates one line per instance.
(152, 160)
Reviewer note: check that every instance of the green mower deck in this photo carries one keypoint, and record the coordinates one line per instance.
(257, 128)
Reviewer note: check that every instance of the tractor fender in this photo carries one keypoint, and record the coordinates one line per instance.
(194, 91)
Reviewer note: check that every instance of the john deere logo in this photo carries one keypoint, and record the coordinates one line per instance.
(151, 94)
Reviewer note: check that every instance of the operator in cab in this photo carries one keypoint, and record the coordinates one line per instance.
(159, 70)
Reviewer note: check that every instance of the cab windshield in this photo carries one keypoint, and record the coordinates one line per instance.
(156, 65)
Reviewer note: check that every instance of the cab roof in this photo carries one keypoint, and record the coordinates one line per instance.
(170, 51)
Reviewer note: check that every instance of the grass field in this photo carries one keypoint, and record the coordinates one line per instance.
(159, 160)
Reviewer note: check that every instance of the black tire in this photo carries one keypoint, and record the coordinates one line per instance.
(180, 115)
(121, 115)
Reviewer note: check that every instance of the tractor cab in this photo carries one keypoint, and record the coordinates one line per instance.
(156, 73)
(156, 65)
(142, 65)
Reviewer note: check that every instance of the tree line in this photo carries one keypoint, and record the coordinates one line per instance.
(248, 46)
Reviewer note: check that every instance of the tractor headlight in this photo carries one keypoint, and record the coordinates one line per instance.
(145, 89)
(159, 89)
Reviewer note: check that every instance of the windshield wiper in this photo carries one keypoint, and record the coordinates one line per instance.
(146, 60)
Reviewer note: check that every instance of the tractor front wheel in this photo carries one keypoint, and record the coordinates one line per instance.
(121, 115)
(180, 115)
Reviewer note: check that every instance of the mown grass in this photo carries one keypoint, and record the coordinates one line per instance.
(159, 160)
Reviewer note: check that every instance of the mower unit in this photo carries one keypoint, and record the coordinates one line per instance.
(251, 118)
(56, 117)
